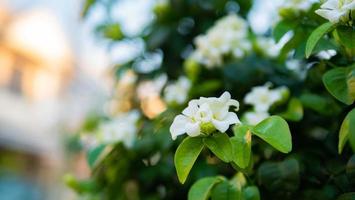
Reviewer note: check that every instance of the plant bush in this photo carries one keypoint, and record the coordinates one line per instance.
(265, 116)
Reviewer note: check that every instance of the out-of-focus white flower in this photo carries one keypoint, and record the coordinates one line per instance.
(151, 88)
(326, 54)
(178, 91)
(148, 93)
(262, 97)
(128, 78)
(268, 46)
(336, 10)
(253, 118)
(122, 128)
(301, 5)
(204, 115)
(227, 37)
(89, 140)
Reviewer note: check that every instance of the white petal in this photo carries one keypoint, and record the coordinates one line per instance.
(178, 127)
(193, 129)
(330, 4)
(191, 109)
(232, 118)
(222, 126)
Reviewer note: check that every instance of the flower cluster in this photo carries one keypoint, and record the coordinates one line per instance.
(337, 10)
(177, 92)
(227, 37)
(206, 115)
(123, 129)
(261, 98)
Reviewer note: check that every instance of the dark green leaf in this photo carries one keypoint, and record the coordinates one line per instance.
(294, 110)
(93, 155)
(347, 196)
(251, 193)
(279, 176)
(346, 36)
(186, 155)
(340, 82)
(275, 131)
(316, 35)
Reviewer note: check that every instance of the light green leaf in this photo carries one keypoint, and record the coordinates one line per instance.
(226, 191)
(251, 193)
(316, 35)
(186, 155)
(347, 131)
(220, 145)
(201, 189)
(294, 110)
(340, 82)
(241, 144)
(275, 131)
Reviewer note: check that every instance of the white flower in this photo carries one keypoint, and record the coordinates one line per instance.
(336, 10)
(253, 118)
(227, 37)
(268, 46)
(151, 88)
(177, 92)
(205, 114)
(326, 54)
(120, 129)
(262, 98)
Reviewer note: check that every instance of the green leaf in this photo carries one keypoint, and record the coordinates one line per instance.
(220, 145)
(279, 176)
(226, 191)
(281, 29)
(316, 35)
(275, 131)
(322, 104)
(294, 110)
(347, 131)
(251, 193)
(186, 155)
(346, 36)
(241, 144)
(340, 82)
(201, 189)
(94, 154)
(347, 196)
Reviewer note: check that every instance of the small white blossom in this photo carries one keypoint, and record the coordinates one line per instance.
(336, 10)
(253, 118)
(205, 112)
(326, 54)
(268, 46)
(123, 129)
(227, 37)
(178, 91)
(151, 88)
(262, 97)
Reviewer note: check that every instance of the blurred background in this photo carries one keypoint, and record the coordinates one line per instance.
(53, 72)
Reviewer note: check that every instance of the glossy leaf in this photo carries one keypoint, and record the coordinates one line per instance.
(275, 131)
(186, 155)
(226, 191)
(201, 189)
(340, 82)
(316, 35)
(241, 144)
(347, 131)
(94, 154)
(220, 145)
